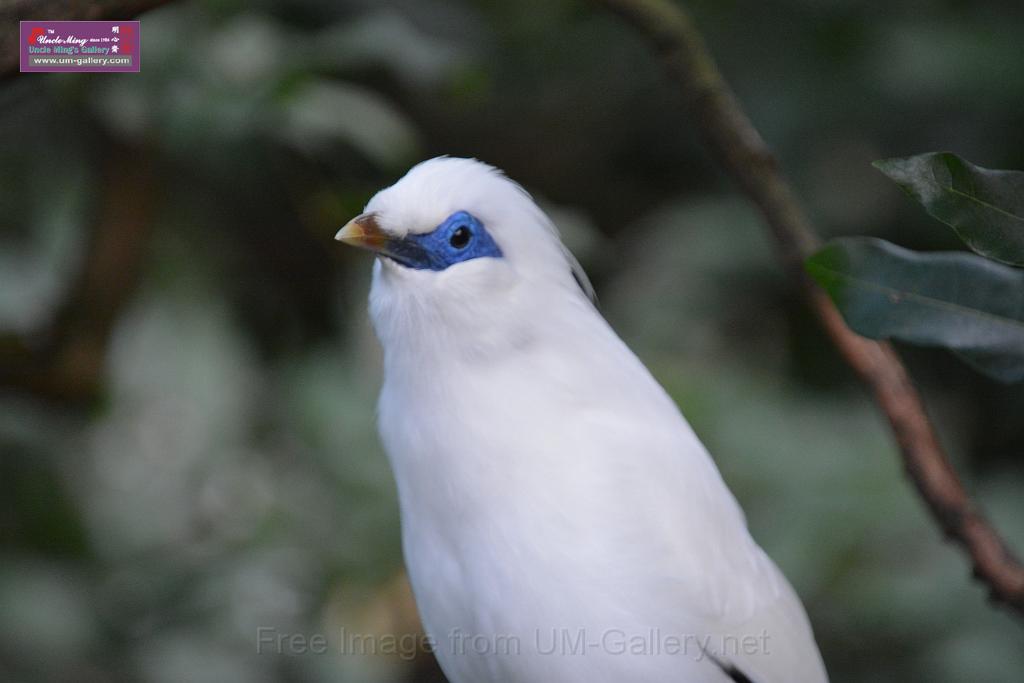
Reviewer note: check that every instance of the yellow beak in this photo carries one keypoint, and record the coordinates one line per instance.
(363, 231)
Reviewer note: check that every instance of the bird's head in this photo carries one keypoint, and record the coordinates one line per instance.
(462, 244)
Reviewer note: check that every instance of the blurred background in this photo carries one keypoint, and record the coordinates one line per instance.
(187, 376)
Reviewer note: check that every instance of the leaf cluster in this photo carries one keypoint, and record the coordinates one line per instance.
(972, 304)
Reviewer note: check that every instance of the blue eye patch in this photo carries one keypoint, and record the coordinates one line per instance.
(461, 237)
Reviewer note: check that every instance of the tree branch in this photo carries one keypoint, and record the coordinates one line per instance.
(738, 146)
(13, 11)
(65, 359)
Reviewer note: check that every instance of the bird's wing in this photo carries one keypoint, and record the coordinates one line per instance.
(698, 549)
(775, 643)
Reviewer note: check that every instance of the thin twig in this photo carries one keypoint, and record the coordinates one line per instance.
(740, 149)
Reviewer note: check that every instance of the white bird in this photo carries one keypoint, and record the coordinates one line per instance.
(561, 522)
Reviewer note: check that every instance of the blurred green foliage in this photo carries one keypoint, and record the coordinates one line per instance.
(223, 474)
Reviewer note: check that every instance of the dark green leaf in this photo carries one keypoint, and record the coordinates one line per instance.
(951, 299)
(985, 207)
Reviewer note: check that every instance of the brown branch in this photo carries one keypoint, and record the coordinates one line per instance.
(65, 359)
(739, 147)
(13, 11)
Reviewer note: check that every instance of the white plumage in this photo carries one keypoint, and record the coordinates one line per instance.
(561, 521)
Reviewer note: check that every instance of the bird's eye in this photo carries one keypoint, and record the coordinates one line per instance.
(460, 238)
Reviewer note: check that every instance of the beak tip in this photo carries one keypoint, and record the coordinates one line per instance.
(362, 231)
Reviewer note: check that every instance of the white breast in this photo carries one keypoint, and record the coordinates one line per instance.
(553, 496)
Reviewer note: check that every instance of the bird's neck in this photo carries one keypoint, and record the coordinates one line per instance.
(423, 333)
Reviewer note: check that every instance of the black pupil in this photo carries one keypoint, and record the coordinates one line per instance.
(460, 238)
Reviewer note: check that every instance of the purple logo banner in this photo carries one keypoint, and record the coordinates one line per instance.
(108, 46)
